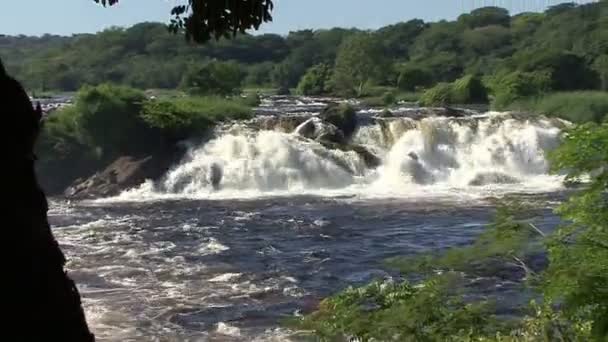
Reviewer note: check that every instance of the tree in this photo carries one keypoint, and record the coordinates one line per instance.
(203, 20)
(360, 59)
(214, 78)
(412, 77)
(315, 81)
(486, 16)
(601, 67)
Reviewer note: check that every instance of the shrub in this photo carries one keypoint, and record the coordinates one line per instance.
(109, 118)
(510, 87)
(578, 107)
(469, 89)
(315, 81)
(183, 118)
(389, 98)
(411, 77)
(439, 95)
(214, 78)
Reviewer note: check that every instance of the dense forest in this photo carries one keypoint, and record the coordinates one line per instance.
(562, 49)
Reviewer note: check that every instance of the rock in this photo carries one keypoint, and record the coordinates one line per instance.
(283, 123)
(386, 113)
(342, 116)
(315, 129)
(492, 178)
(124, 173)
(283, 91)
(216, 175)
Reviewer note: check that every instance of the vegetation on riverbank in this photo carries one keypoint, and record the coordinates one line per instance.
(578, 107)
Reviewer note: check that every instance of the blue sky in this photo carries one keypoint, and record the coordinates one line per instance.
(35, 17)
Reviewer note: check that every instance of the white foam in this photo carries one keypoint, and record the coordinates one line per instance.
(228, 330)
(434, 157)
(226, 277)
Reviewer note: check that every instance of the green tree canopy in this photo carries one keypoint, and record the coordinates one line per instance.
(360, 60)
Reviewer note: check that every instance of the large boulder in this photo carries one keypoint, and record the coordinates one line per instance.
(342, 116)
(315, 129)
(124, 173)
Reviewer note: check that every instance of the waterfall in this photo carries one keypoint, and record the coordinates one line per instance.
(462, 154)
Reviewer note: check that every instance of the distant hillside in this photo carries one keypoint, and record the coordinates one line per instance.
(484, 41)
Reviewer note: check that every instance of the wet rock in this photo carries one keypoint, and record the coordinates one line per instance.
(386, 113)
(320, 131)
(124, 173)
(492, 178)
(286, 124)
(342, 116)
(283, 91)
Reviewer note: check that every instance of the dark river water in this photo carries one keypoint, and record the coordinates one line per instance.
(233, 270)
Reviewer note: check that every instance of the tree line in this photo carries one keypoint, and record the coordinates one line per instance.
(563, 49)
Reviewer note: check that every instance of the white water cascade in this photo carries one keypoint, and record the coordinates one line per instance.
(478, 154)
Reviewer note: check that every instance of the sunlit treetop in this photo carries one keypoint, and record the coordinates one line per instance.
(202, 20)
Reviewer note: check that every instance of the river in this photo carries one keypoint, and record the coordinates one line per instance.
(292, 221)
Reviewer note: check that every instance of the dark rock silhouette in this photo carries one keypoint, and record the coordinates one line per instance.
(124, 173)
(40, 295)
(216, 176)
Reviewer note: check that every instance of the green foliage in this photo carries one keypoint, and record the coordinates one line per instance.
(567, 42)
(202, 21)
(410, 78)
(486, 16)
(360, 60)
(510, 87)
(439, 95)
(469, 89)
(109, 115)
(466, 90)
(600, 65)
(214, 78)
(402, 312)
(578, 271)
(578, 107)
(183, 118)
(315, 81)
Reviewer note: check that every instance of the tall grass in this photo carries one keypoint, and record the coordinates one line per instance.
(577, 107)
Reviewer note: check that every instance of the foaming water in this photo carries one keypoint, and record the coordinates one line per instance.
(226, 270)
(470, 157)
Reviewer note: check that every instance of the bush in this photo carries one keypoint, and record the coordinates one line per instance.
(389, 98)
(411, 77)
(109, 118)
(439, 95)
(469, 89)
(183, 118)
(578, 107)
(510, 87)
(315, 81)
(214, 78)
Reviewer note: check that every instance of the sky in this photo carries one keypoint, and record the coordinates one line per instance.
(66, 17)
